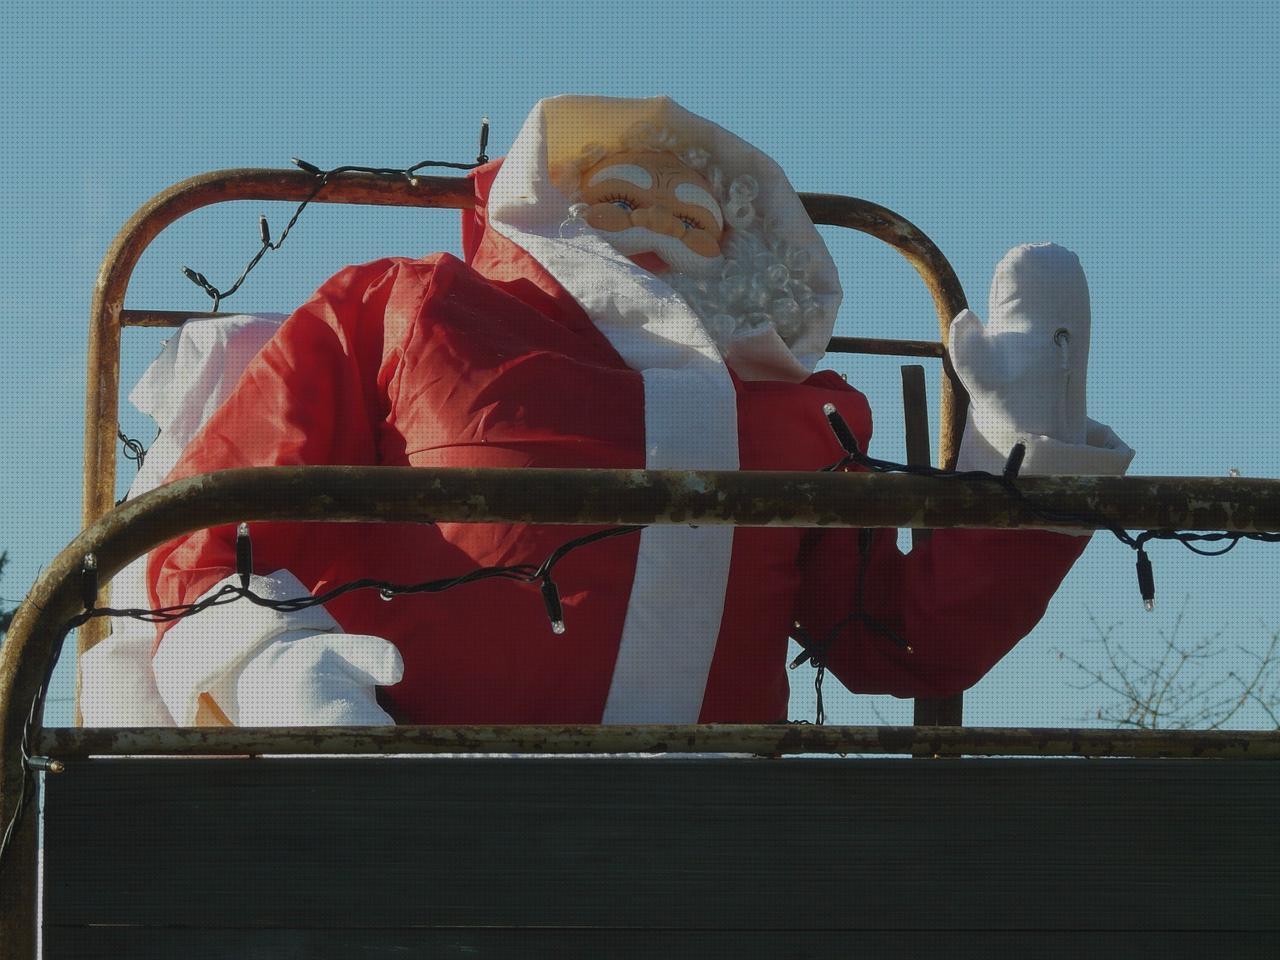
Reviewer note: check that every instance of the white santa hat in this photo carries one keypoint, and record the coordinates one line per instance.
(644, 318)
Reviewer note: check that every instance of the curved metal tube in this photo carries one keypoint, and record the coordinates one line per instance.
(102, 394)
(610, 497)
(552, 496)
(103, 380)
(171, 204)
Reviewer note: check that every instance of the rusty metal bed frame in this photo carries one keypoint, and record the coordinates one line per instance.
(116, 535)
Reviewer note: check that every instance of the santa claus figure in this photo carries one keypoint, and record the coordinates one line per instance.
(640, 289)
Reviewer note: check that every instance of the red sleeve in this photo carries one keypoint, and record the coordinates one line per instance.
(314, 395)
(959, 602)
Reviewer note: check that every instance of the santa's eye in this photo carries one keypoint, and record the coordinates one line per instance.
(623, 203)
(692, 223)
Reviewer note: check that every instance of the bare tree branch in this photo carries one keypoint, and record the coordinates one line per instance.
(1182, 685)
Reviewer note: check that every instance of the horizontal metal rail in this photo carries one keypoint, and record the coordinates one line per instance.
(108, 316)
(350, 494)
(597, 497)
(761, 739)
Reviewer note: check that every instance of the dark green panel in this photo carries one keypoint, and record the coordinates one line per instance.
(82, 943)
(713, 844)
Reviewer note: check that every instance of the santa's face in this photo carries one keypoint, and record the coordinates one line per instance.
(655, 210)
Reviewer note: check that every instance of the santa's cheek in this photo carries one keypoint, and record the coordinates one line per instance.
(702, 242)
(608, 217)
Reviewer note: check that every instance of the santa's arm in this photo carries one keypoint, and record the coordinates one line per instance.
(312, 396)
(932, 622)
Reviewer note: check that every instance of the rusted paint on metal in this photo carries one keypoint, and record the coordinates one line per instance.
(939, 278)
(107, 314)
(886, 348)
(601, 497)
(595, 497)
(70, 744)
(102, 388)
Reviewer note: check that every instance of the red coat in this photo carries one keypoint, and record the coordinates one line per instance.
(489, 363)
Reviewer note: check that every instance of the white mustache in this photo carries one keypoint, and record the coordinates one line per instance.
(671, 249)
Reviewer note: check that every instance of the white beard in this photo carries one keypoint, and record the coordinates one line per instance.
(755, 285)
(760, 286)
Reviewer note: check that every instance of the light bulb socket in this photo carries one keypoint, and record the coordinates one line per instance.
(244, 555)
(1146, 581)
(89, 581)
(551, 600)
(1014, 463)
(844, 436)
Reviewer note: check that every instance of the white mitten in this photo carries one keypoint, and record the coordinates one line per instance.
(302, 669)
(312, 679)
(1025, 370)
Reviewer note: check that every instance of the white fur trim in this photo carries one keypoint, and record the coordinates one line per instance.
(530, 199)
(764, 356)
(677, 593)
(204, 653)
(1103, 454)
(691, 418)
(192, 376)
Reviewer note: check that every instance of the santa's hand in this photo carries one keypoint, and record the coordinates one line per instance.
(305, 678)
(1025, 370)
(1027, 367)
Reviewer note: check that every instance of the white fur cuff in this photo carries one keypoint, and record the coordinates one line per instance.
(1103, 453)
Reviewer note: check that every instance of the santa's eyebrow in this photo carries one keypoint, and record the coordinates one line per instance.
(630, 172)
(693, 194)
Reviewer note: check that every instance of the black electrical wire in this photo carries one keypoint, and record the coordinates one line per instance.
(815, 652)
(521, 573)
(322, 179)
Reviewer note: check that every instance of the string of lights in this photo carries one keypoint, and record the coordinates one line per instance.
(323, 177)
(542, 575)
(133, 449)
(813, 652)
(1007, 481)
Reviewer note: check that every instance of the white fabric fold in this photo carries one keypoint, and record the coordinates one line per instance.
(195, 372)
(306, 679)
(204, 653)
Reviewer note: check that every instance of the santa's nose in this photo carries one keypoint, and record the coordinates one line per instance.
(659, 219)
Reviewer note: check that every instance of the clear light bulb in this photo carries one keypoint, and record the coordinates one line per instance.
(386, 594)
(557, 627)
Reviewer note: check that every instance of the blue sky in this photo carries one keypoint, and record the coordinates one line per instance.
(1141, 136)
